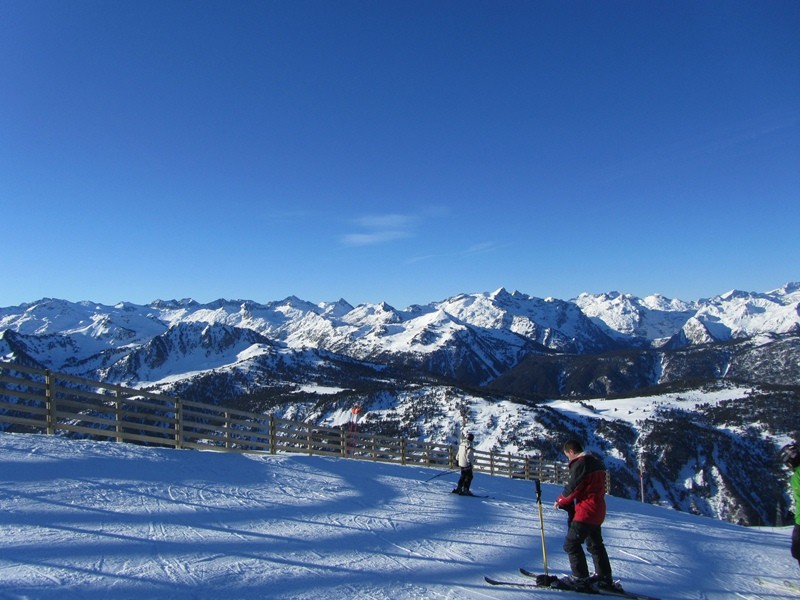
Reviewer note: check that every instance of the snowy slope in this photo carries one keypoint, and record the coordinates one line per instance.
(87, 519)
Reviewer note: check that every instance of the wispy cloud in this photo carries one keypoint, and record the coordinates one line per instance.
(374, 238)
(380, 229)
(479, 248)
(739, 137)
(390, 221)
(376, 229)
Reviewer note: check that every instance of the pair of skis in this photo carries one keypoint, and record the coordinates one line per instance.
(599, 591)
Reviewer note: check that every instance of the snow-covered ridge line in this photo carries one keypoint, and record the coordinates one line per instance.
(515, 322)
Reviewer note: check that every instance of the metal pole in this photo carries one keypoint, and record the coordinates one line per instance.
(641, 478)
(541, 522)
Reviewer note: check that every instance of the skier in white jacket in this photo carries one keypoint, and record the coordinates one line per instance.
(464, 458)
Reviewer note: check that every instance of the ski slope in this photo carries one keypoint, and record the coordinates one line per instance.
(82, 519)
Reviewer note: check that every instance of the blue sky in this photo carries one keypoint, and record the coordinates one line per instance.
(398, 151)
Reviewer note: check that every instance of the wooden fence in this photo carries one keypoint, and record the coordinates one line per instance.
(41, 401)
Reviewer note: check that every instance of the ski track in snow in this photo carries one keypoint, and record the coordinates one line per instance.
(103, 520)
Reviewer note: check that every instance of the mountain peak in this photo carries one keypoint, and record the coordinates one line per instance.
(183, 303)
(789, 288)
(500, 294)
(336, 309)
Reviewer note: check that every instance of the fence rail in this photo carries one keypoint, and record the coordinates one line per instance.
(40, 401)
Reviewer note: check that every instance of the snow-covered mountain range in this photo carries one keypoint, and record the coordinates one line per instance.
(469, 337)
(414, 370)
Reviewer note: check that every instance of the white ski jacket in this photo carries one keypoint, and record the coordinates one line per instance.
(465, 454)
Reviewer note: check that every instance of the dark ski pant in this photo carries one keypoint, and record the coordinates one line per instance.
(465, 480)
(796, 543)
(579, 533)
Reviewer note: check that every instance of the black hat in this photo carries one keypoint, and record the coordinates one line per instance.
(470, 437)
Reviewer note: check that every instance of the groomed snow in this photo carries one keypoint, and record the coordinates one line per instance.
(83, 519)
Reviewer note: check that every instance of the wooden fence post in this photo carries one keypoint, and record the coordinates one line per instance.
(227, 427)
(50, 402)
(178, 423)
(117, 413)
(273, 443)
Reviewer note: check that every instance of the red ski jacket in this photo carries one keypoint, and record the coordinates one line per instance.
(586, 489)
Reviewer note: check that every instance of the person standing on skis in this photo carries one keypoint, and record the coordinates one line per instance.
(464, 458)
(790, 456)
(583, 498)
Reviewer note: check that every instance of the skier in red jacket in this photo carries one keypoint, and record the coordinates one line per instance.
(584, 500)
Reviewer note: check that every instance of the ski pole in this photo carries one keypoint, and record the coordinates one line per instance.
(541, 522)
(439, 475)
